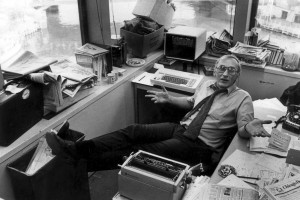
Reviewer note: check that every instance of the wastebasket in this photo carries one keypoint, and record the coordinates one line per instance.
(56, 180)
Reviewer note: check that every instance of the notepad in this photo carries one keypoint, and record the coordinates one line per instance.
(279, 140)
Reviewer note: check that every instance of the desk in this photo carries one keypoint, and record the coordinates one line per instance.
(241, 143)
(111, 107)
(148, 112)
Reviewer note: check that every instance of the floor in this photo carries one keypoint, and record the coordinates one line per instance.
(103, 184)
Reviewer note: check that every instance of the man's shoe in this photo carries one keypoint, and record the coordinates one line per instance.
(63, 148)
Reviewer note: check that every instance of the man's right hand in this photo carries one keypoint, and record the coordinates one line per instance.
(159, 97)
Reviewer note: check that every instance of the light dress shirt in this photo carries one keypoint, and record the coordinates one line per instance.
(229, 110)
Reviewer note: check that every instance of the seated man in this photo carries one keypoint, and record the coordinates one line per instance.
(226, 109)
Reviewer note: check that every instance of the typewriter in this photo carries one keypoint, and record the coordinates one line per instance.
(177, 79)
(146, 176)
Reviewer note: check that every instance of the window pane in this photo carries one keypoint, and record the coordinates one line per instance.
(47, 28)
(279, 21)
(211, 15)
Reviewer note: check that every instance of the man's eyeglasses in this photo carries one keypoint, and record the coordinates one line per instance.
(231, 70)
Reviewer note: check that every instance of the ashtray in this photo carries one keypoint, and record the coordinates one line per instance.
(226, 170)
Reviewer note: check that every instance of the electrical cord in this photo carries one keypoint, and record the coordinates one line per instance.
(100, 21)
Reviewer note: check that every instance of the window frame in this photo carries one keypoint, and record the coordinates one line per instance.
(90, 26)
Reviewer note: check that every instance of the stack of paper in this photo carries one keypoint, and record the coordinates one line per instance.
(90, 50)
(251, 55)
(78, 77)
(262, 144)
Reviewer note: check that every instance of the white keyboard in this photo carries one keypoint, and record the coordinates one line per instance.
(177, 79)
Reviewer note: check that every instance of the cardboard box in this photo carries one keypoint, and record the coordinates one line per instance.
(141, 45)
(94, 63)
(156, 10)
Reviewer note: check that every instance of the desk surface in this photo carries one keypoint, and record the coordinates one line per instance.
(241, 143)
(38, 130)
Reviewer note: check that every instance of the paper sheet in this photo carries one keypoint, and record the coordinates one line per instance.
(234, 181)
(243, 162)
(144, 79)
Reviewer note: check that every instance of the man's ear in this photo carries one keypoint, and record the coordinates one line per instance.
(215, 71)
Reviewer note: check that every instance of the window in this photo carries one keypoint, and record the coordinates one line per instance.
(211, 15)
(46, 28)
(279, 21)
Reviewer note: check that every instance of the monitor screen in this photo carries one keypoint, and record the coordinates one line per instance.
(180, 47)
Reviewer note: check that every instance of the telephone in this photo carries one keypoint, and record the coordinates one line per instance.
(292, 122)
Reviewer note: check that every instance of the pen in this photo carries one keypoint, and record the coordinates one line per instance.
(142, 78)
(256, 178)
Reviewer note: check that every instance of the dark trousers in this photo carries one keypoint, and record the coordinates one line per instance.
(164, 139)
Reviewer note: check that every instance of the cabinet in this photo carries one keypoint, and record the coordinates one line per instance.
(111, 112)
(266, 83)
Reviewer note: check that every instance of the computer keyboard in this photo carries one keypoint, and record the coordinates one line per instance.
(177, 79)
(173, 79)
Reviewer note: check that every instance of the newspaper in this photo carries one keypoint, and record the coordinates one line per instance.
(250, 55)
(287, 189)
(27, 63)
(72, 71)
(222, 192)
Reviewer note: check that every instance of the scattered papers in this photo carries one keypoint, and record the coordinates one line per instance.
(269, 109)
(196, 188)
(230, 188)
(144, 79)
(234, 181)
(221, 192)
(279, 141)
(41, 156)
(261, 144)
(244, 163)
(71, 70)
(287, 189)
(291, 171)
(259, 166)
(26, 64)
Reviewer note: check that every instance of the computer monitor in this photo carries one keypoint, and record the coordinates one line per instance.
(185, 43)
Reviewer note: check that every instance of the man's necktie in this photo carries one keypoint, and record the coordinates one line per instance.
(193, 129)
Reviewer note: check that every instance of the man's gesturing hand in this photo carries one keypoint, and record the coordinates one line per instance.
(158, 97)
(255, 128)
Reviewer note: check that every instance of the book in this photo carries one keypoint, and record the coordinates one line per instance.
(41, 156)
(27, 63)
(71, 70)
